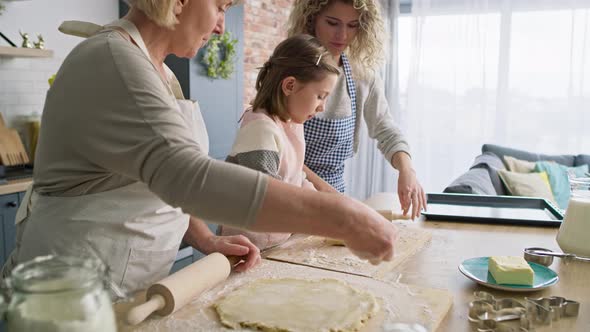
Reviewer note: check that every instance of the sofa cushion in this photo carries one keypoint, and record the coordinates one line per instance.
(582, 159)
(527, 184)
(500, 151)
(558, 179)
(475, 181)
(493, 164)
(519, 166)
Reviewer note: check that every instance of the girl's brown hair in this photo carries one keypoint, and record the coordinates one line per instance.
(300, 56)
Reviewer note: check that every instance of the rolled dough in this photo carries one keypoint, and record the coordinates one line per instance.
(297, 305)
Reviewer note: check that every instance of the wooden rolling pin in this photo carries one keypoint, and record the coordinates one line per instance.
(177, 289)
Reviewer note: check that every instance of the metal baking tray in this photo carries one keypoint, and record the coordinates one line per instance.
(511, 210)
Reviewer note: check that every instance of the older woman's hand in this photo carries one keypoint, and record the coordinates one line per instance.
(234, 245)
(410, 193)
(371, 236)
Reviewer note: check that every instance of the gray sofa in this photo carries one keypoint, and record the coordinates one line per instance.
(482, 177)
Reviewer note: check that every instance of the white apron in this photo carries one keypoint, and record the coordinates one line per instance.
(132, 230)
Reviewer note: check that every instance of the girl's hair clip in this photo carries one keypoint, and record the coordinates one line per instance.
(317, 63)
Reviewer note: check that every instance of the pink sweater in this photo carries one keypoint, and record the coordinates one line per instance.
(271, 146)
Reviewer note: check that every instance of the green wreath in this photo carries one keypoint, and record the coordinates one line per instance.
(217, 45)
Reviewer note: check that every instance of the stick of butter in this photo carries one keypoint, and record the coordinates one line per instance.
(511, 270)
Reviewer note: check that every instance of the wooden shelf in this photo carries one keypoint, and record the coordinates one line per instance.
(8, 51)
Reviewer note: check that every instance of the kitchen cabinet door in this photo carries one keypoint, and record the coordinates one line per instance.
(8, 206)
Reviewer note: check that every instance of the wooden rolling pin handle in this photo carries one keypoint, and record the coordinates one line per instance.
(181, 287)
(141, 312)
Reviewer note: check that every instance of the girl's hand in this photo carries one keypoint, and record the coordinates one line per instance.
(410, 193)
(234, 245)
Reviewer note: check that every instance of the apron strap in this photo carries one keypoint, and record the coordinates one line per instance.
(350, 85)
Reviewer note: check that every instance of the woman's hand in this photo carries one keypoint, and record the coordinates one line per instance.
(234, 245)
(410, 193)
(409, 190)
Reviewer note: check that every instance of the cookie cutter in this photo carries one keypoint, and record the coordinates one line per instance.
(544, 310)
(493, 315)
(545, 256)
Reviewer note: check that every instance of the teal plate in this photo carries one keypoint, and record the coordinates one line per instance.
(476, 269)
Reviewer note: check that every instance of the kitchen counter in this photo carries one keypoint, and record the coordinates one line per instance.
(15, 186)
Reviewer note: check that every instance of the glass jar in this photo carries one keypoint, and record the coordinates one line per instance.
(573, 232)
(59, 294)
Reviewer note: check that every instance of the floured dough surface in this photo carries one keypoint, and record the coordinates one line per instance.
(297, 305)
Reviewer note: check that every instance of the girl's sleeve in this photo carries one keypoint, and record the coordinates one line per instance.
(380, 124)
(257, 146)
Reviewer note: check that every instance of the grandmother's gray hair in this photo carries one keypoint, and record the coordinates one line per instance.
(161, 11)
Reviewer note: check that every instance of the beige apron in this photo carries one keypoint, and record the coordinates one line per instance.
(130, 228)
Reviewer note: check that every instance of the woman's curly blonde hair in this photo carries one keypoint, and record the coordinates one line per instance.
(366, 51)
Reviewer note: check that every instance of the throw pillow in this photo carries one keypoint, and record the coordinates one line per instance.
(558, 178)
(527, 184)
(519, 166)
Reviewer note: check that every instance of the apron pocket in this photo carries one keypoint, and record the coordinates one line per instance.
(146, 267)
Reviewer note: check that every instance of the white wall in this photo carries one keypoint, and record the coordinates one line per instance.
(23, 81)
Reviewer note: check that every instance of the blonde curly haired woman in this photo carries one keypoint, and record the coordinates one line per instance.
(352, 30)
(122, 168)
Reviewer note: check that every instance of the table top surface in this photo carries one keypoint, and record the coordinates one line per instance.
(436, 266)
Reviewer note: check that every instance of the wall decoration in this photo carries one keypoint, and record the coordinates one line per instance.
(26, 41)
(220, 55)
(40, 44)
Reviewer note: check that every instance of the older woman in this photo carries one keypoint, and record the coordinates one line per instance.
(352, 31)
(122, 161)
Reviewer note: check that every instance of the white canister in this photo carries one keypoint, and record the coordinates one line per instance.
(574, 234)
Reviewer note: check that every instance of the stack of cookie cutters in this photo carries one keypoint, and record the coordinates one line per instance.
(500, 315)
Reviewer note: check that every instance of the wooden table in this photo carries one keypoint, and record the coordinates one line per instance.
(436, 266)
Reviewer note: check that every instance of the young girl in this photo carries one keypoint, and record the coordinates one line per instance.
(291, 88)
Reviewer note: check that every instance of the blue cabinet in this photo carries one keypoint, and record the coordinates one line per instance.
(8, 205)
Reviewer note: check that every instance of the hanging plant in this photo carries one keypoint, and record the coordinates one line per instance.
(220, 56)
(1, 7)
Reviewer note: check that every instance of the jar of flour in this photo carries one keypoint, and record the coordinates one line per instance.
(59, 294)
(573, 233)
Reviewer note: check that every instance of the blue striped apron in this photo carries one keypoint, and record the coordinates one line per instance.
(329, 142)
